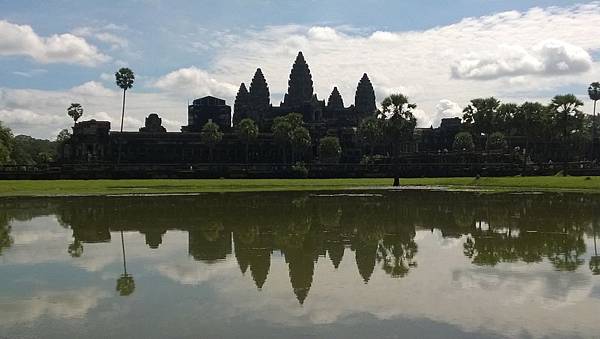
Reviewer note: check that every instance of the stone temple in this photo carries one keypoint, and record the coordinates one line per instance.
(93, 141)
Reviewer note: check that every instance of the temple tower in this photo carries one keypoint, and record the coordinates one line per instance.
(364, 100)
(241, 105)
(260, 98)
(335, 102)
(300, 85)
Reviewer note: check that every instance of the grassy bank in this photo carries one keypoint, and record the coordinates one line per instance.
(106, 187)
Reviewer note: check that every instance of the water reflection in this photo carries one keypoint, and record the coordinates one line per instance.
(302, 258)
(379, 229)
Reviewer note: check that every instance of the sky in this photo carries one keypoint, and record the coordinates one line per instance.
(441, 54)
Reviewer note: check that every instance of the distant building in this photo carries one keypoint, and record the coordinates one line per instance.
(93, 141)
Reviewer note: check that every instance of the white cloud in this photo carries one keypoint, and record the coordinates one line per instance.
(66, 48)
(532, 55)
(195, 82)
(550, 57)
(53, 304)
(104, 36)
(554, 42)
(41, 113)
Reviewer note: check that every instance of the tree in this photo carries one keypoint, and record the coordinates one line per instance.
(529, 120)
(300, 139)
(282, 134)
(463, 142)
(124, 79)
(481, 115)
(505, 114)
(330, 149)
(567, 118)
(75, 111)
(282, 130)
(594, 93)
(370, 130)
(247, 132)
(125, 283)
(211, 136)
(63, 136)
(496, 141)
(399, 124)
(295, 119)
(6, 144)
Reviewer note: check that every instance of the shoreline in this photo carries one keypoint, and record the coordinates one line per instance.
(143, 187)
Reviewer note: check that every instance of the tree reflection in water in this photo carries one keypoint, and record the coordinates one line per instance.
(380, 228)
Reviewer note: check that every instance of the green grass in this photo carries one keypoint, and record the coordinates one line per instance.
(106, 187)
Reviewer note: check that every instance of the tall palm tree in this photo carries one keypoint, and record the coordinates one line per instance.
(567, 116)
(75, 111)
(124, 79)
(594, 93)
(399, 125)
(125, 283)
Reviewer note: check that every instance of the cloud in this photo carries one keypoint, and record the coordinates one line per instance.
(528, 51)
(53, 304)
(104, 35)
(195, 82)
(31, 73)
(41, 113)
(64, 48)
(550, 57)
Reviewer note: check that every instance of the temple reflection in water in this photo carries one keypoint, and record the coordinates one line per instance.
(377, 229)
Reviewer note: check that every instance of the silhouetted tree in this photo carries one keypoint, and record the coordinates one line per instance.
(125, 283)
(330, 149)
(496, 141)
(247, 132)
(75, 111)
(300, 140)
(567, 119)
(399, 124)
(6, 144)
(370, 131)
(211, 136)
(481, 115)
(124, 79)
(463, 142)
(282, 134)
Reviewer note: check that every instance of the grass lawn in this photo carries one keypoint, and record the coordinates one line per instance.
(105, 187)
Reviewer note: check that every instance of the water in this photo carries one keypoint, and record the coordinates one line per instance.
(270, 265)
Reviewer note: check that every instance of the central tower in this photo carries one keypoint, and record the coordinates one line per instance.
(300, 85)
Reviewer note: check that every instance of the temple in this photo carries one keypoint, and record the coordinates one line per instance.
(92, 141)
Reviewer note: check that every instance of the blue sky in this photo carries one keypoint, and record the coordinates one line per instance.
(55, 52)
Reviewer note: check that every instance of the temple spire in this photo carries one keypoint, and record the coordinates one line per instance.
(240, 107)
(260, 98)
(364, 100)
(335, 102)
(300, 84)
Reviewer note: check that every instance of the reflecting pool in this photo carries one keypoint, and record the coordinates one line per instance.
(385, 264)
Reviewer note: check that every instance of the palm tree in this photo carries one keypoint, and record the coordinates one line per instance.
(247, 132)
(370, 131)
(282, 134)
(125, 283)
(399, 124)
(594, 93)
(211, 136)
(568, 118)
(75, 111)
(124, 79)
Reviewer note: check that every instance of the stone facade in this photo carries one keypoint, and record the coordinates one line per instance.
(93, 141)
